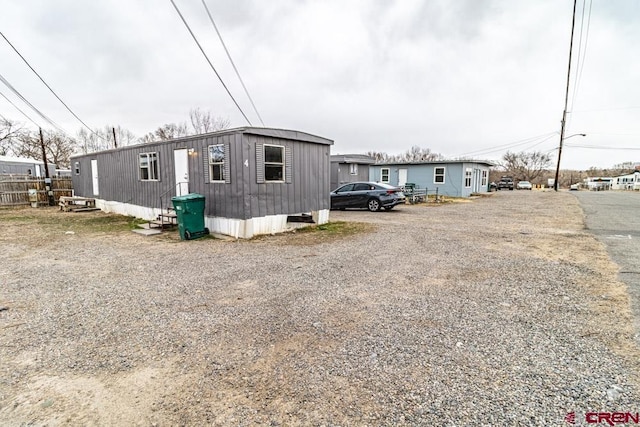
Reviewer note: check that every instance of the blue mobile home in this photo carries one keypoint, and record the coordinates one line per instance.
(454, 178)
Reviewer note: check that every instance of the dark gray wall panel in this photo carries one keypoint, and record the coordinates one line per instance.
(242, 197)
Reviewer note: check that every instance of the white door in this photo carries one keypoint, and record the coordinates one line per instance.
(94, 176)
(402, 177)
(181, 163)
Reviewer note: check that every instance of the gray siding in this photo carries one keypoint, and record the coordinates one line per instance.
(340, 174)
(309, 187)
(240, 197)
(82, 184)
(23, 168)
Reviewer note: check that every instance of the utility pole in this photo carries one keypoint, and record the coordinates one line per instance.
(115, 143)
(44, 155)
(47, 178)
(566, 97)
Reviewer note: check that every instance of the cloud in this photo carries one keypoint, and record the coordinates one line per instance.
(372, 75)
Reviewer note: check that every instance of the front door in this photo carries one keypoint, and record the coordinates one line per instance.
(402, 177)
(181, 163)
(94, 176)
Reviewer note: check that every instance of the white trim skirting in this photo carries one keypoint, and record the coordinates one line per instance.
(238, 228)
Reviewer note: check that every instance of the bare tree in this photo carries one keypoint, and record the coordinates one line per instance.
(102, 139)
(378, 156)
(526, 166)
(201, 122)
(205, 122)
(9, 132)
(419, 154)
(166, 132)
(414, 154)
(58, 146)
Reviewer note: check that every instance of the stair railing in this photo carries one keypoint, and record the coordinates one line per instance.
(162, 199)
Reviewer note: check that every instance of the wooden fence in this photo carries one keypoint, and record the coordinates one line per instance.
(16, 192)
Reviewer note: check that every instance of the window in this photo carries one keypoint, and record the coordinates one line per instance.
(273, 163)
(384, 175)
(76, 168)
(345, 188)
(438, 175)
(216, 163)
(485, 178)
(149, 166)
(468, 173)
(362, 187)
(353, 169)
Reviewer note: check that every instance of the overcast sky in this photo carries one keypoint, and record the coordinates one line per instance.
(466, 78)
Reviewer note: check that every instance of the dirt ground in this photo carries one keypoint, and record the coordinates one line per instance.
(101, 326)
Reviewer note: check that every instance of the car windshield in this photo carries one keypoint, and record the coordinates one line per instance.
(524, 182)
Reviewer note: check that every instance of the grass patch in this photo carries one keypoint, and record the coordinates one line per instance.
(323, 233)
(54, 220)
(335, 228)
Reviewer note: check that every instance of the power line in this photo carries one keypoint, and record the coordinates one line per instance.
(19, 95)
(17, 108)
(509, 145)
(582, 51)
(48, 87)
(601, 147)
(232, 63)
(210, 64)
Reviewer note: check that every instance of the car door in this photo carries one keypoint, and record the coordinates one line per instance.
(340, 197)
(360, 195)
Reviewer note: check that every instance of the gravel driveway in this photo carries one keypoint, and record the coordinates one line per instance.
(497, 311)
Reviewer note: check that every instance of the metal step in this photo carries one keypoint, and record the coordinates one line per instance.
(156, 223)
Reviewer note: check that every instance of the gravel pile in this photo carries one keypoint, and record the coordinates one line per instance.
(480, 313)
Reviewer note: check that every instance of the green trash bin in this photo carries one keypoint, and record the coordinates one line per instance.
(190, 212)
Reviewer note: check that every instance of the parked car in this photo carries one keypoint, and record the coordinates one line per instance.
(524, 185)
(366, 195)
(505, 183)
(574, 187)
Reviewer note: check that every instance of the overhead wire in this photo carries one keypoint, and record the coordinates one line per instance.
(246, 91)
(18, 108)
(210, 63)
(48, 87)
(582, 54)
(19, 95)
(507, 146)
(579, 56)
(601, 147)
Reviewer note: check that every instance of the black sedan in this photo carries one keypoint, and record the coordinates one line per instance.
(370, 195)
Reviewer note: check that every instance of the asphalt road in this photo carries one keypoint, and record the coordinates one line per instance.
(614, 218)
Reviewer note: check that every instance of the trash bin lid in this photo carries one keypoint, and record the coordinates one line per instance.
(187, 197)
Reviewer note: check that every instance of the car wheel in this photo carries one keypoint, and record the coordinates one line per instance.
(373, 205)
